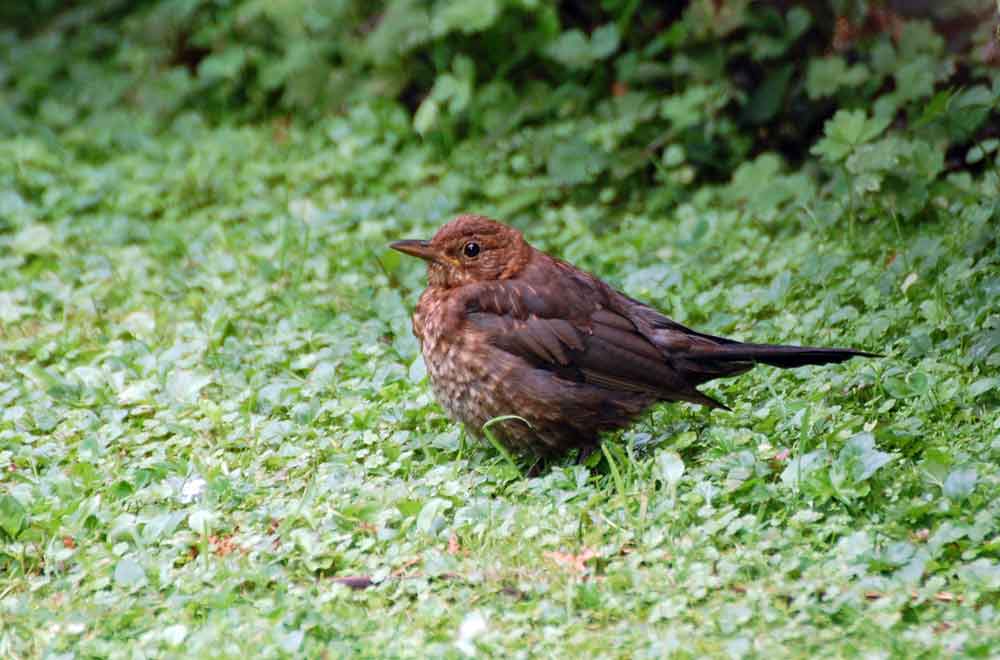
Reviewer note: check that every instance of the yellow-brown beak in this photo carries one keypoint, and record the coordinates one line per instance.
(416, 248)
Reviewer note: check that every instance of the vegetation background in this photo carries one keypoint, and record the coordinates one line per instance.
(212, 410)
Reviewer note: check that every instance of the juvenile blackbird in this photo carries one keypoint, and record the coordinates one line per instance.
(506, 329)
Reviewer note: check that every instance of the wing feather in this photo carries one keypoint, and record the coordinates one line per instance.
(586, 342)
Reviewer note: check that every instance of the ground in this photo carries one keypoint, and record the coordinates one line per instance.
(214, 411)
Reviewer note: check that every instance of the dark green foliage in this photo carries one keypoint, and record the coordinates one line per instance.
(671, 93)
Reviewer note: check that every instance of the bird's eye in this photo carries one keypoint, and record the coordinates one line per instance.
(471, 250)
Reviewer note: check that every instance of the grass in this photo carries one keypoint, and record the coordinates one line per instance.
(213, 407)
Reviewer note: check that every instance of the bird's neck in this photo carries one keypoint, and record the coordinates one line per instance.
(518, 262)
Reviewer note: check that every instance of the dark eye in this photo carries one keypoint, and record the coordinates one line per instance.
(471, 250)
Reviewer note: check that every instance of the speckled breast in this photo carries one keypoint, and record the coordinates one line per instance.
(470, 385)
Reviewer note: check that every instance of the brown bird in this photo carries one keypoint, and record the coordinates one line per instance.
(506, 329)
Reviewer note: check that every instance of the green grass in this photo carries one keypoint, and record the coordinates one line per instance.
(212, 406)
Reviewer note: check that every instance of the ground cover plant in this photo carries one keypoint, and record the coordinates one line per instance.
(213, 412)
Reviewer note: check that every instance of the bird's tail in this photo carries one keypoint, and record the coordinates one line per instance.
(732, 358)
(785, 357)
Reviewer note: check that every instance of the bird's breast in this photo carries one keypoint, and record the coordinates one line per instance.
(465, 372)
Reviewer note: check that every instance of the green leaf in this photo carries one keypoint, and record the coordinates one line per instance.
(13, 516)
(915, 79)
(184, 385)
(409, 507)
(467, 16)
(857, 462)
(575, 161)
(981, 574)
(129, 574)
(974, 155)
(431, 518)
(201, 521)
(936, 108)
(33, 239)
(868, 458)
(769, 97)
(571, 49)
(828, 75)
(604, 41)
(800, 468)
(846, 131)
(673, 155)
(574, 50)
(984, 385)
(693, 106)
(426, 116)
(960, 483)
(798, 20)
(670, 467)
(403, 26)
(308, 542)
(226, 65)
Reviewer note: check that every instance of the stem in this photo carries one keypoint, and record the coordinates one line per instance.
(497, 444)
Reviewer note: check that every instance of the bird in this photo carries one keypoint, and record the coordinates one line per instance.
(552, 354)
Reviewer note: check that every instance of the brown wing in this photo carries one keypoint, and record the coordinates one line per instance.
(698, 356)
(701, 357)
(572, 332)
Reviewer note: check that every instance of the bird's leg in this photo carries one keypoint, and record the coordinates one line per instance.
(584, 453)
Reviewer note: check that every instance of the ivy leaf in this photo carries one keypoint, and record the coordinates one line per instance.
(986, 343)
(981, 573)
(12, 516)
(960, 483)
(183, 385)
(129, 574)
(868, 459)
(801, 467)
(983, 385)
(670, 467)
(857, 462)
(431, 517)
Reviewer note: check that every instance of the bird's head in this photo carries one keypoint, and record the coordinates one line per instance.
(470, 248)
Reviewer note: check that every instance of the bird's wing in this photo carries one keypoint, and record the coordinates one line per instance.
(573, 333)
(700, 357)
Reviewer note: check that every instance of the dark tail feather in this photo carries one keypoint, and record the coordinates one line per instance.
(732, 359)
(694, 396)
(786, 357)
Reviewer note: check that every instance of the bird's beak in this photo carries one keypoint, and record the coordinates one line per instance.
(416, 248)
